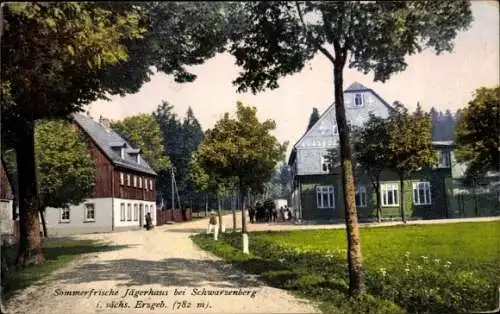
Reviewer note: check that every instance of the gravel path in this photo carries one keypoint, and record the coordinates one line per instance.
(161, 261)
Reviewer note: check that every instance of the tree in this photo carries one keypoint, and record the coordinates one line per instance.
(371, 153)
(66, 170)
(276, 39)
(92, 50)
(52, 78)
(313, 118)
(410, 144)
(191, 137)
(478, 133)
(143, 131)
(242, 148)
(206, 182)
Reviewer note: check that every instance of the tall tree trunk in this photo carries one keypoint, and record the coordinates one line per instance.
(234, 211)
(219, 211)
(30, 246)
(243, 211)
(206, 205)
(44, 224)
(379, 202)
(402, 199)
(354, 258)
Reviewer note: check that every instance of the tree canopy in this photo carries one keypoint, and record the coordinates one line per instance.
(410, 144)
(242, 148)
(143, 131)
(66, 171)
(478, 133)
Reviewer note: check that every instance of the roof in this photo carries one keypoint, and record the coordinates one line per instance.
(356, 87)
(107, 139)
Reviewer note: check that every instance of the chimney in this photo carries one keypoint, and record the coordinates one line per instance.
(104, 122)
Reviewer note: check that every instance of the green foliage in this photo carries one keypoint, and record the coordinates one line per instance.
(241, 148)
(410, 140)
(181, 140)
(143, 131)
(276, 39)
(313, 118)
(478, 133)
(66, 171)
(447, 268)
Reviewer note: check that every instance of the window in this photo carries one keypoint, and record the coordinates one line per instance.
(146, 209)
(151, 185)
(141, 208)
(358, 100)
(140, 182)
(122, 178)
(325, 197)
(89, 212)
(421, 193)
(361, 196)
(444, 159)
(136, 212)
(129, 212)
(122, 212)
(135, 181)
(122, 153)
(325, 164)
(128, 179)
(390, 195)
(65, 214)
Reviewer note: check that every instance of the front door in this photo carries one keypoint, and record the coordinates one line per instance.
(141, 215)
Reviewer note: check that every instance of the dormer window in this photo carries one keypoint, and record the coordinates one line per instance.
(139, 159)
(122, 153)
(358, 100)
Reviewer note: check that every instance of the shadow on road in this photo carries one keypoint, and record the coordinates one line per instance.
(167, 272)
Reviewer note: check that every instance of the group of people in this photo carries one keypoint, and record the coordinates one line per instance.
(269, 214)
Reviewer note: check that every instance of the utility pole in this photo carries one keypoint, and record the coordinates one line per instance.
(173, 189)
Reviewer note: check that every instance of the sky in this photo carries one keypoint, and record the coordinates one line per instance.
(447, 81)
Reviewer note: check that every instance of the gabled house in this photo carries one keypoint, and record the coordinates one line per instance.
(6, 206)
(124, 189)
(317, 194)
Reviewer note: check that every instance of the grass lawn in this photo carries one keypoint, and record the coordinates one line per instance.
(445, 268)
(58, 253)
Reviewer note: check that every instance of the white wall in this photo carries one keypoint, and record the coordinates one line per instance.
(77, 222)
(6, 222)
(118, 222)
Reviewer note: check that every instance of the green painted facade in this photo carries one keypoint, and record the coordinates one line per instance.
(440, 206)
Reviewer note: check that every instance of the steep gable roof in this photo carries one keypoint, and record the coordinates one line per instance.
(107, 139)
(356, 87)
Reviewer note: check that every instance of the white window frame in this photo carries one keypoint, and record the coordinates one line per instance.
(129, 212)
(128, 179)
(150, 185)
(385, 190)
(325, 164)
(323, 199)
(363, 196)
(89, 208)
(140, 182)
(122, 178)
(122, 212)
(136, 212)
(427, 197)
(361, 98)
(135, 181)
(61, 216)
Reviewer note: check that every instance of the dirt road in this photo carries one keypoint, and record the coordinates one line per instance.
(166, 272)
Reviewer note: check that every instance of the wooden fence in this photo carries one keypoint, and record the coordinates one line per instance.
(176, 215)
